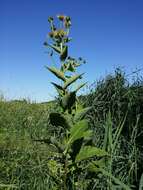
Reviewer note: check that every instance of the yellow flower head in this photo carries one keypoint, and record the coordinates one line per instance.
(51, 34)
(61, 33)
(61, 17)
(57, 33)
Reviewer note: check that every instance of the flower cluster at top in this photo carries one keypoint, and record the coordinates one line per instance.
(59, 34)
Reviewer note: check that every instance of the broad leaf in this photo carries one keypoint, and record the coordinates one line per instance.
(57, 73)
(78, 131)
(71, 80)
(76, 146)
(57, 49)
(68, 101)
(58, 119)
(59, 88)
(81, 114)
(88, 152)
(100, 163)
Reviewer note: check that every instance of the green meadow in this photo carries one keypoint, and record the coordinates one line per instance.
(116, 119)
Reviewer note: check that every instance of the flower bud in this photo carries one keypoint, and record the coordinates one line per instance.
(61, 17)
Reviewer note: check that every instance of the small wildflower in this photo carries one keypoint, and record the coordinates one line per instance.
(57, 33)
(62, 33)
(61, 17)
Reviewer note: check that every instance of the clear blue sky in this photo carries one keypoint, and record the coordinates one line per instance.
(107, 33)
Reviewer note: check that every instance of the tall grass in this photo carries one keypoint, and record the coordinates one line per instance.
(23, 164)
(117, 122)
(117, 119)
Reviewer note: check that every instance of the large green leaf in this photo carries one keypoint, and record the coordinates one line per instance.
(59, 88)
(68, 100)
(88, 152)
(75, 148)
(56, 48)
(72, 80)
(58, 119)
(57, 73)
(79, 130)
(81, 113)
(100, 163)
(81, 125)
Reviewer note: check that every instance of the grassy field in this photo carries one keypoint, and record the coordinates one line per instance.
(116, 119)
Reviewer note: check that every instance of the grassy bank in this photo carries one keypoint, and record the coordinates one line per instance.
(116, 118)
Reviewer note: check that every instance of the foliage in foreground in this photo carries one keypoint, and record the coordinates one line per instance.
(117, 112)
(23, 162)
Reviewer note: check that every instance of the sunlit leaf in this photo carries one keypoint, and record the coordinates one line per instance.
(81, 114)
(88, 152)
(57, 73)
(72, 80)
(59, 89)
(79, 130)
